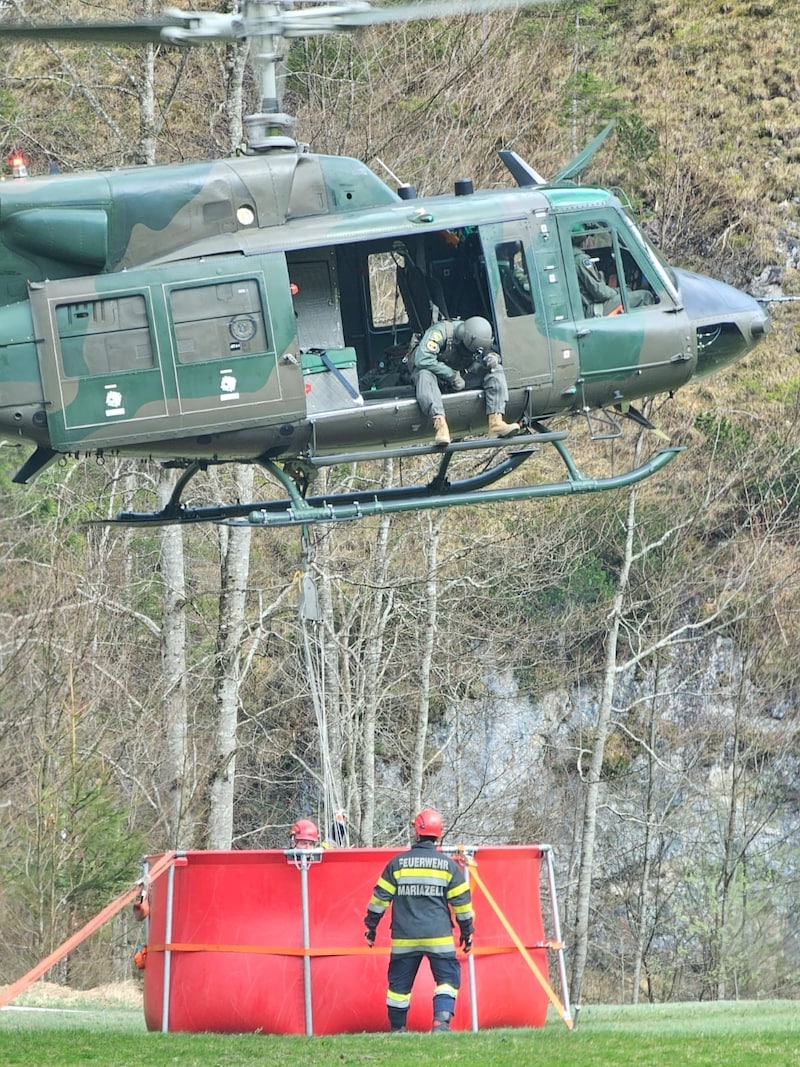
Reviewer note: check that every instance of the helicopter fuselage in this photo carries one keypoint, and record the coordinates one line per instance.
(266, 307)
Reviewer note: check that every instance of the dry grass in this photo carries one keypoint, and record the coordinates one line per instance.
(113, 995)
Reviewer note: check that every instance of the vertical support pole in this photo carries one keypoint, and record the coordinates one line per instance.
(473, 985)
(473, 993)
(562, 967)
(304, 862)
(167, 953)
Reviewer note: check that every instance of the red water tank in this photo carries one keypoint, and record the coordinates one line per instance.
(253, 941)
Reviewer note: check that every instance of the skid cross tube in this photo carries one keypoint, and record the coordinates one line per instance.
(177, 513)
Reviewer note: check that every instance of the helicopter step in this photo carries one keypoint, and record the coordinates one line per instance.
(473, 444)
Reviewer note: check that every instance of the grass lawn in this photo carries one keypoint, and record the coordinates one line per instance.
(743, 1034)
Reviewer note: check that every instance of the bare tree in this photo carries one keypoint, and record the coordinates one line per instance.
(428, 649)
(235, 552)
(178, 773)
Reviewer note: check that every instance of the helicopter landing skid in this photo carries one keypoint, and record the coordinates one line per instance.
(299, 510)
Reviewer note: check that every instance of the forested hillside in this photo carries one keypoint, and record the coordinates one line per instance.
(615, 675)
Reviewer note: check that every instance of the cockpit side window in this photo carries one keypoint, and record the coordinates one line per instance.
(611, 279)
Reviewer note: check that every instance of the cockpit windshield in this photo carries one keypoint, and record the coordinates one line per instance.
(663, 269)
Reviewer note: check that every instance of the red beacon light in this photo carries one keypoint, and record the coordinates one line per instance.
(19, 165)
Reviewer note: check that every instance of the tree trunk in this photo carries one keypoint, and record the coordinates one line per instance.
(235, 552)
(377, 616)
(645, 894)
(176, 788)
(332, 662)
(235, 64)
(428, 647)
(147, 106)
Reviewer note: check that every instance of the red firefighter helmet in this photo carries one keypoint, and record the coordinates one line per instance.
(429, 823)
(304, 834)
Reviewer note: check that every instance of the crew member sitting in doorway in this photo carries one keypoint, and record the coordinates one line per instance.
(448, 353)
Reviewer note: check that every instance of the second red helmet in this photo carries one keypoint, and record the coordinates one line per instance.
(305, 831)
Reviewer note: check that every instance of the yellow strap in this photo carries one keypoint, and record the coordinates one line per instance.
(540, 978)
(264, 950)
(278, 950)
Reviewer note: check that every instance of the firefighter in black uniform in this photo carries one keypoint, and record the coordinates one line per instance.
(422, 885)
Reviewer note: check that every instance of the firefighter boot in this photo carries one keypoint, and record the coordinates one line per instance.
(441, 1021)
(499, 428)
(441, 430)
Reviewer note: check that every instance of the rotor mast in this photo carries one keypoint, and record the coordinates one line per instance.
(269, 128)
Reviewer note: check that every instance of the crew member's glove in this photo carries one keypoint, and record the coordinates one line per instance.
(491, 361)
(465, 941)
(457, 382)
(369, 935)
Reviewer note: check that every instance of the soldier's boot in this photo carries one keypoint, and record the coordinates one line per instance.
(441, 1021)
(499, 428)
(441, 431)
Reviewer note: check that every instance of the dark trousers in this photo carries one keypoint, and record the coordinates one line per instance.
(402, 972)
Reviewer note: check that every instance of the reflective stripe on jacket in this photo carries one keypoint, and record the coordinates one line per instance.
(422, 886)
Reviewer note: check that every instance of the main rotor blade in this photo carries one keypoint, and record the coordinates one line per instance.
(179, 27)
(174, 27)
(347, 16)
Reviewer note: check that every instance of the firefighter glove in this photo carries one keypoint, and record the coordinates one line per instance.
(369, 935)
(491, 361)
(465, 941)
(458, 382)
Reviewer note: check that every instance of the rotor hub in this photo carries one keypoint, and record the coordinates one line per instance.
(267, 131)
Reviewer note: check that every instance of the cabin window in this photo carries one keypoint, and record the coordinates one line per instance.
(610, 279)
(104, 336)
(386, 303)
(216, 320)
(514, 278)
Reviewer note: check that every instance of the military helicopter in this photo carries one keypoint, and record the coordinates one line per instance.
(261, 309)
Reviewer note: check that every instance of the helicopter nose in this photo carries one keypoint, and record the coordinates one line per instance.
(728, 323)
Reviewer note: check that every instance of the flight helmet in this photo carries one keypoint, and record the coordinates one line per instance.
(474, 333)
